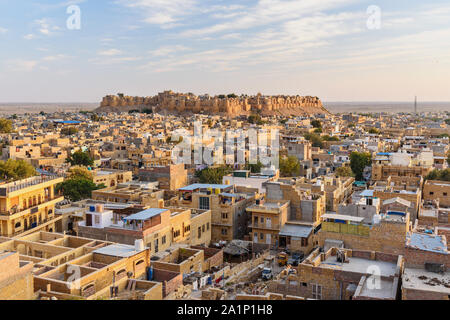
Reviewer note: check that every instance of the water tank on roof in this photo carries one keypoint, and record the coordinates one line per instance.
(99, 208)
(92, 208)
(139, 245)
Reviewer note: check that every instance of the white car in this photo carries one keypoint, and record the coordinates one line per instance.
(267, 274)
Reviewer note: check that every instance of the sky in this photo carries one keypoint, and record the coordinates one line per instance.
(338, 50)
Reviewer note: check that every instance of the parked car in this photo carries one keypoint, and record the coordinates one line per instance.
(267, 274)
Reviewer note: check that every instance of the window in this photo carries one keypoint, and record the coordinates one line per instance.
(176, 234)
(187, 229)
(262, 220)
(207, 226)
(261, 236)
(304, 242)
(304, 284)
(203, 228)
(199, 232)
(431, 193)
(17, 225)
(445, 194)
(204, 203)
(316, 292)
(163, 240)
(224, 215)
(97, 219)
(224, 231)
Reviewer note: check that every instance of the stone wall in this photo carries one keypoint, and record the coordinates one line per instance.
(178, 102)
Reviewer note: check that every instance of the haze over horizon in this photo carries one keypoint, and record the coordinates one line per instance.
(306, 47)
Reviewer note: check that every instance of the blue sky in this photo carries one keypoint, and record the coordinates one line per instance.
(309, 47)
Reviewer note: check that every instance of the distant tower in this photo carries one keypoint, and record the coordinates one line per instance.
(415, 105)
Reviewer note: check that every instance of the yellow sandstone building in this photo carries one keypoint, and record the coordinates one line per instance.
(28, 205)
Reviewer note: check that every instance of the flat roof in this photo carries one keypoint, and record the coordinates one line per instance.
(118, 250)
(294, 230)
(196, 186)
(421, 279)
(342, 217)
(360, 265)
(427, 242)
(146, 214)
(366, 193)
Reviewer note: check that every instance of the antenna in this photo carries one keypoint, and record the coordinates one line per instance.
(415, 105)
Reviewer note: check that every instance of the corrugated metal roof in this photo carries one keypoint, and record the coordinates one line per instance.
(196, 186)
(146, 214)
(294, 230)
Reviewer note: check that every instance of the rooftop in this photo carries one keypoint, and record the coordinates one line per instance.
(294, 230)
(196, 186)
(360, 265)
(427, 242)
(420, 279)
(118, 250)
(146, 214)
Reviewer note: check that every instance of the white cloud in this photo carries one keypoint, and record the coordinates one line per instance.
(45, 27)
(167, 50)
(110, 52)
(55, 57)
(3, 30)
(165, 13)
(22, 65)
(29, 36)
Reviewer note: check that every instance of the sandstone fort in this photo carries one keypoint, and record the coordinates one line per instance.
(172, 102)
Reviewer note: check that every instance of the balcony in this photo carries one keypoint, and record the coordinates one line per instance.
(22, 184)
(264, 226)
(32, 209)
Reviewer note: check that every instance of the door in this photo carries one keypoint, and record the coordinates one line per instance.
(268, 238)
(255, 237)
(156, 245)
(89, 220)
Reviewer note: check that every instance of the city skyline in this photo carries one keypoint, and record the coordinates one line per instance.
(140, 47)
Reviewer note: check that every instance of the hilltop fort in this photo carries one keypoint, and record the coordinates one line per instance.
(171, 102)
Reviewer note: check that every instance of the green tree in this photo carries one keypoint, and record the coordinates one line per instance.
(212, 175)
(254, 168)
(318, 130)
(344, 172)
(374, 131)
(12, 170)
(69, 131)
(442, 175)
(77, 188)
(6, 126)
(289, 166)
(315, 139)
(328, 138)
(255, 119)
(358, 161)
(80, 172)
(80, 158)
(96, 118)
(316, 124)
